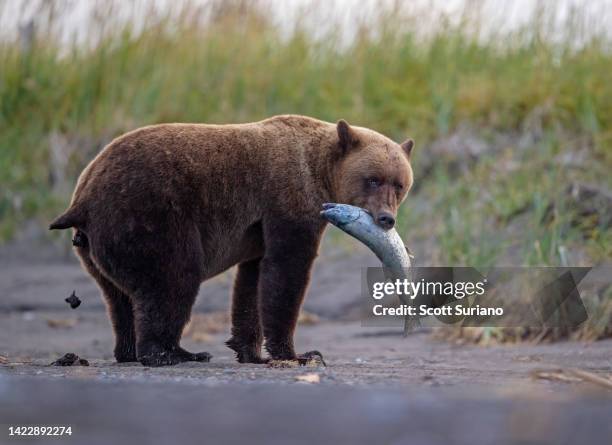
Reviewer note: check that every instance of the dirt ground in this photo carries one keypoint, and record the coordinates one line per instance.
(378, 387)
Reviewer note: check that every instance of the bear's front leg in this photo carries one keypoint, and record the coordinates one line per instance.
(284, 275)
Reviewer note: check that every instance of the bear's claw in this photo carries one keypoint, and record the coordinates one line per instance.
(202, 357)
(169, 358)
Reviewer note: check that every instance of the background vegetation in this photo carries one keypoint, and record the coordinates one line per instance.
(505, 123)
(513, 128)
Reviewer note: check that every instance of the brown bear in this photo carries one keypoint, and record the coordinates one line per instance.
(165, 207)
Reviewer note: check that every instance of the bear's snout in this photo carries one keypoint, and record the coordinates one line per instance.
(385, 220)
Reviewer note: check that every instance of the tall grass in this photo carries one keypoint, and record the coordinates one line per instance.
(231, 63)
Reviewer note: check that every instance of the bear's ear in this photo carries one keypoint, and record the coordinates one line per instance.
(407, 146)
(346, 136)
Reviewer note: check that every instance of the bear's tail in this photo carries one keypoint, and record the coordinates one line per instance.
(73, 217)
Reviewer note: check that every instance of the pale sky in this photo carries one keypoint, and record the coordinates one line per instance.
(321, 14)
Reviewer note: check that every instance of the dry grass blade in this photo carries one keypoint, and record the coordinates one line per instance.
(554, 374)
(592, 378)
(308, 318)
(572, 376)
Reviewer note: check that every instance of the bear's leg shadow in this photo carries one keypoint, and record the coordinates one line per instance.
(247, 336)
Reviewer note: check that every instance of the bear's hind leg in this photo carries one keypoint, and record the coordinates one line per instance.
(161, 272)
(161, 310)
(120, 311)
(122, 318)
(247, 336)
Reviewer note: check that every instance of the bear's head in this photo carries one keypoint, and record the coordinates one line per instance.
(373, 172)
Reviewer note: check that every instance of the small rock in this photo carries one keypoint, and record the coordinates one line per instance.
(308, 378)
(73, 300)
(592, 201)
(70, 359)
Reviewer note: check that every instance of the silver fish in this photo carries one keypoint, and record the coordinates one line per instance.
(386, 244)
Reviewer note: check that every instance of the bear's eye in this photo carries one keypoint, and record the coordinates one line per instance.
(373, 182)
(399, 186)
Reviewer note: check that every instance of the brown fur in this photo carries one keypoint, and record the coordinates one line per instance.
(165, 207)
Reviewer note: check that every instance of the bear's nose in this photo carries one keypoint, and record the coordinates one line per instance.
(385, 220)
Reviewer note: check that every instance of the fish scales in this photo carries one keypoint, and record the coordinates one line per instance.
(387, 245)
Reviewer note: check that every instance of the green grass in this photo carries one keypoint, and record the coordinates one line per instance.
(390, 77)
